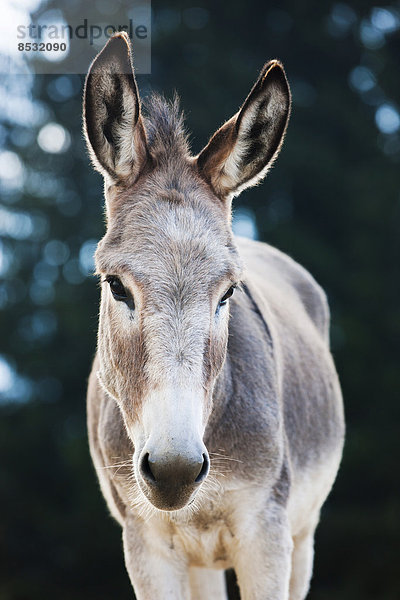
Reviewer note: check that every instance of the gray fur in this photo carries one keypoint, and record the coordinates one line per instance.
(260, 379)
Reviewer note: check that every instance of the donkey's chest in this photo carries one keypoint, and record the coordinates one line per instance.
(207, 542)
(211, 536)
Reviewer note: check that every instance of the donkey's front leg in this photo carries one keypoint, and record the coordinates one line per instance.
(154, 570)
(263, 558)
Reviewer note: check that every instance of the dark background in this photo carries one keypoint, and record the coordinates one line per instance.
(332, 202)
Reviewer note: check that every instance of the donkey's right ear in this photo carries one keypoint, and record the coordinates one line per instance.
(113, 126)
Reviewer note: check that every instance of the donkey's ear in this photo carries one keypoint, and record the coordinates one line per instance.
(112, 123)
(240, 153)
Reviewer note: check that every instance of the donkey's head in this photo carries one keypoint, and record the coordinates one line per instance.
(168, 261)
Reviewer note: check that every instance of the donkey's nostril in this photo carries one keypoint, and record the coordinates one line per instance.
(145, 468)
(204, 470)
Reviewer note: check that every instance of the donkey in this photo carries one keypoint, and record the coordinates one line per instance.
(214, 410)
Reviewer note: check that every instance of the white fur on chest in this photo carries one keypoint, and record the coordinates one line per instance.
(210, 536)
(208, 545)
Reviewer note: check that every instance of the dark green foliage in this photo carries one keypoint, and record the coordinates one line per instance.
(331, 202)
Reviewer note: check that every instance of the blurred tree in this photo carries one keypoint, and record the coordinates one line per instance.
(331, 202)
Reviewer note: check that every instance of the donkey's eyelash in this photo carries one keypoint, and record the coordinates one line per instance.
(118, 289)
(237, 286)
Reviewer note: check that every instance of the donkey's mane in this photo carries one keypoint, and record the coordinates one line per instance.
(164, 124)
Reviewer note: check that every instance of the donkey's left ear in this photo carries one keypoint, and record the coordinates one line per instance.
(240, 153)
(111, 111)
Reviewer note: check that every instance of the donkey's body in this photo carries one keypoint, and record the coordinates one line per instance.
(270, 414)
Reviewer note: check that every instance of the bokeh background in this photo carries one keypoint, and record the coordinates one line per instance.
(332, 202)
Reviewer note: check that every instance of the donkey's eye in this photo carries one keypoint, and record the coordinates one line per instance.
(226, 296)
(116, 287)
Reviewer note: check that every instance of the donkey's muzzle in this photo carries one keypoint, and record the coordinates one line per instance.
(170, 480)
